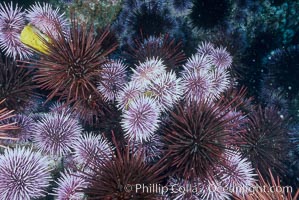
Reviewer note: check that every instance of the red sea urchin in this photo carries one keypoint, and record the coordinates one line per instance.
(195, 138)
(119, 177)
(16, 85)
(71, 67)
(161, 47)
(265, 140)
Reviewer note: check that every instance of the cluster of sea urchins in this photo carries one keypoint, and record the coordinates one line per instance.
(177, 122)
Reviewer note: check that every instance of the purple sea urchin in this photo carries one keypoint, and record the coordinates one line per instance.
(24, 174)
(131, 91)
(147, 71)
(167, 89)
(198, 84)
(70, 186)
(90, 148)
(55, 133)
(221, 58)
(211, 189)
(112, 80)
(240, 175)
(151, 149)
(12, 21)
(203, 78)
(198, 62)
(46, 19)
(205, 48)
(141, 119)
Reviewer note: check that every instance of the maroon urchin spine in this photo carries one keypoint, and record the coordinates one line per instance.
(5, 115)
(17, 86)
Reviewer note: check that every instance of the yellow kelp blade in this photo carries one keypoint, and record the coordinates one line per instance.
(31, 37)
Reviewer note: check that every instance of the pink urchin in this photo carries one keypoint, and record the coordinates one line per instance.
(46, 18)
(55, 133)
(221, 58)
(167, 89)
(141, 119)
(221, 81)
(147, 71)
(151, 149)
(211, 189)
(113, 79)
(205, 49)
(25, 124)
(11, 24)
(90, 148)
(198, 62)
(24, 174)
(181, 189)
(240, 175)
(198, 84)
(131, 91)
(70, 186)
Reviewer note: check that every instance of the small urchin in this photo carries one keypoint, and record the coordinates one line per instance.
(130, 91)
(55, 133)
(141, 119)
(70, 186)
(240, 175)
(24, 174)
(198, 84)
(90, 148)
(146, 71)
(221, 58)
(112, 80)
(12, 21)
(167, 89)
(46, 18)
